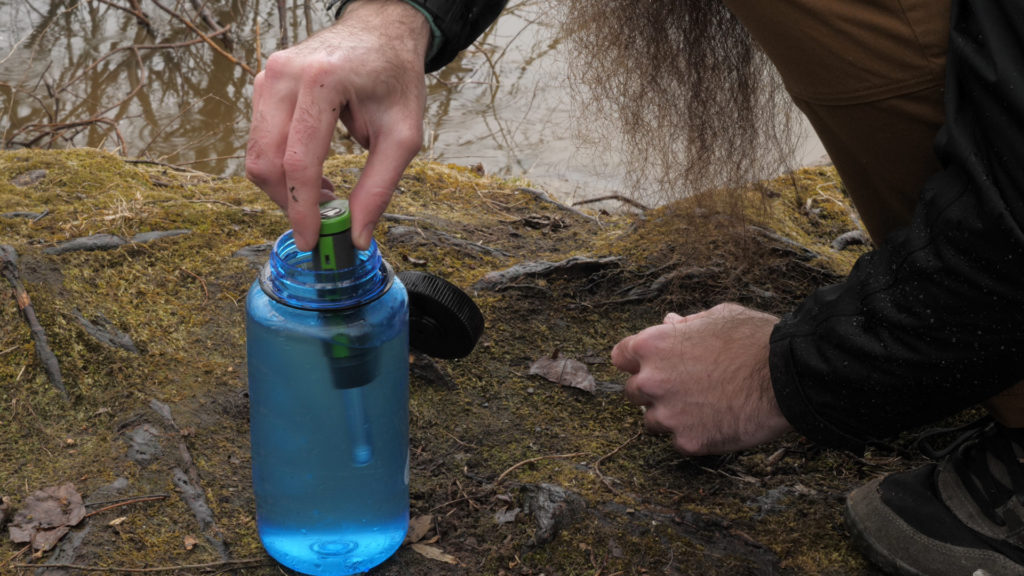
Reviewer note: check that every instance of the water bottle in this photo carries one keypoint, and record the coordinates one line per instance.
(327, 343)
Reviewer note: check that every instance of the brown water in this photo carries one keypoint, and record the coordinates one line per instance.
(88, 73)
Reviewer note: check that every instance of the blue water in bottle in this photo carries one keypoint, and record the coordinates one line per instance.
(328, 390)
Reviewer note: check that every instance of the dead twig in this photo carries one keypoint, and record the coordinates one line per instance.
(206, 293)
(135, 47)
(9, 268)
(543, 197)
(206, 38)
(215, 26)
(135, 10)
(125, 503)
(16, 555)
(619, 197)
(460, 442)
(532, 460)
(597, 463)
(56, 128)
(283, 22)
(449, 503)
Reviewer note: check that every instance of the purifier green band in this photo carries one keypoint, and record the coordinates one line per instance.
(334, 249)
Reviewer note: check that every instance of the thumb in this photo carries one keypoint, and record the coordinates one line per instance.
(623, 356)
(673, 318)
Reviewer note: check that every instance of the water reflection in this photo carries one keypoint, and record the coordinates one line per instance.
(101, 73)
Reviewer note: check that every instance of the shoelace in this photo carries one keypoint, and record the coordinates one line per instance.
(964, 433)
(970, 451)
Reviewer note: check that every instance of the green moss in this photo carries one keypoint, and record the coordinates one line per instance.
(182, 301)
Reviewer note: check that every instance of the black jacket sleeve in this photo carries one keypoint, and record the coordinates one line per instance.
(455, 24)
(932, 321)
(459, 23)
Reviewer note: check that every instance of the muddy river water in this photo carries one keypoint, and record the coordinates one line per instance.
(131, 75)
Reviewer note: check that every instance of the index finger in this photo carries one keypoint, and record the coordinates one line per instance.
(309, 138)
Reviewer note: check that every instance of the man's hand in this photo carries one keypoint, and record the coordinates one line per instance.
(367, 69)
(704, 378)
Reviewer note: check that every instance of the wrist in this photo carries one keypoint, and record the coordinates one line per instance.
(404, 14)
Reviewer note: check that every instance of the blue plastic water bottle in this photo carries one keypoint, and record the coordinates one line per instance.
(328, 361)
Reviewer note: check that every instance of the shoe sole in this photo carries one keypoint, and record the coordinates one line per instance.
(941, 559)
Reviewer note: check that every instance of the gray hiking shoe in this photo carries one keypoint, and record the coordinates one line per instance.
(963, 516)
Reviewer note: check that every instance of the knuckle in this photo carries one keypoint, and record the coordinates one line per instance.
(409, 137)
(687, 445)
(295, 163)
(279, 63)
(257, 172)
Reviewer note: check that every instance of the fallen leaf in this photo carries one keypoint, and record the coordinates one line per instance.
(47, 516)
(190, 542)
(504, 516)
(435, 553)
(117, 521)
(565, 371)
(418, 528)
(415, 261)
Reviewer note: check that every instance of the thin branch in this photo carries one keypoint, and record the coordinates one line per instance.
(9, 269)
(135, 10)
(597, 463)
(214, 25)
(16, 555)
(619, 197)
(282, 22)
(543, 197)
(206, 293)
(206, 38)
(126, 502)
(165, 46)
(532, 460)
(56, 128)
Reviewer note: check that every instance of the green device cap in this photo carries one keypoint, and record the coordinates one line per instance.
(334, 249)
(334, 217)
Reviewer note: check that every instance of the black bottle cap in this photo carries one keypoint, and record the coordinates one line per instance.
(444, 322)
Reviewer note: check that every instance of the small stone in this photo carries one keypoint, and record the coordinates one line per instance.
(28, 178)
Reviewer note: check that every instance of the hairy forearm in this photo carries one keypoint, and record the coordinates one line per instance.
(454, 24)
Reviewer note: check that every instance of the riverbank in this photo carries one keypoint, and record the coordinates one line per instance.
(511, 472)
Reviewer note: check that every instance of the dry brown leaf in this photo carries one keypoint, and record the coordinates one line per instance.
(46, 516)
(504, 516)
(435, 553)
(565, 371)
(418, 528)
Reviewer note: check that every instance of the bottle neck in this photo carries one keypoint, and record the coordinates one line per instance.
(289, 277)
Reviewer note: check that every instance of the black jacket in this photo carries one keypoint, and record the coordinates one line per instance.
(933, 320)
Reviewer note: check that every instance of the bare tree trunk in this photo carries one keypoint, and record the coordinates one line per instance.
(282, 11)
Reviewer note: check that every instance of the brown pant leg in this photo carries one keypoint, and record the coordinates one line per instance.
(869, 76)
(882, 150)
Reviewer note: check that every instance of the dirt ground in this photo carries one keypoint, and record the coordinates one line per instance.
(511, 473)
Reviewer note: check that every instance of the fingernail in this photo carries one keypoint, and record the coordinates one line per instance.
(303, 241)
(361, 239)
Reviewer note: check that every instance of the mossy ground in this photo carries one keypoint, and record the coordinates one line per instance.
(648, 509)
